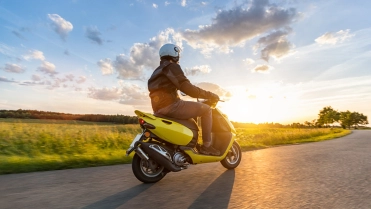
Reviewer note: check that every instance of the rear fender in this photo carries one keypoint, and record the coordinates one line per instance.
(167, 130)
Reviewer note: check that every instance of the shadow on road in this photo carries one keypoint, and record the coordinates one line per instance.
(120, 198)
(218, 194)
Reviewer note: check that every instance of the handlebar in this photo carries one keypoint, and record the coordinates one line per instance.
(211, 103)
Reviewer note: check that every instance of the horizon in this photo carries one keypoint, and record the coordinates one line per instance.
(337, 124)
(271, 61)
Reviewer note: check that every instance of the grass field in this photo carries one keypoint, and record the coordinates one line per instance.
(37, 145)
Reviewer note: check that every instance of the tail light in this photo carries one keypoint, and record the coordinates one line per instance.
(144, 124)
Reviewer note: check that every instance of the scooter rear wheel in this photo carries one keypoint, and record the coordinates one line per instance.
(147, 171)
(233, 158)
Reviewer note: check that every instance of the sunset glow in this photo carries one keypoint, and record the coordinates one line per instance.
(259, 105)
(271, 61)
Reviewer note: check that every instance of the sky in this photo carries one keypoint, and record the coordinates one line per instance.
(269, 60)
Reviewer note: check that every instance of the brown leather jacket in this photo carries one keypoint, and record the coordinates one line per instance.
(165, 82)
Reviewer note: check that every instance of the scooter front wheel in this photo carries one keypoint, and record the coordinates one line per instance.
(233, 158)
(147, 171)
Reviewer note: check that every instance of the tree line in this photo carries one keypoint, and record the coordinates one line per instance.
(326, 117)
(347, 119)
(35, 114)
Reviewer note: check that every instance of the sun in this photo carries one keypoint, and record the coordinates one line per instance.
(257, 106)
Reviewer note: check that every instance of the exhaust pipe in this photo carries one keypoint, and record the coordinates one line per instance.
(141, 154)
(160, 155)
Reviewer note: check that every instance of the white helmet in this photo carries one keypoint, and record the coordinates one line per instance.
(170, 51)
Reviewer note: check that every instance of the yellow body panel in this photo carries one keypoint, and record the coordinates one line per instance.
(233, 130)
(167, 130)
(179, 134)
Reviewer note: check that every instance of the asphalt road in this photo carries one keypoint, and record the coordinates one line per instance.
(330, 174)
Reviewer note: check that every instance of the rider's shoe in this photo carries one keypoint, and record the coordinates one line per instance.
(209, 150)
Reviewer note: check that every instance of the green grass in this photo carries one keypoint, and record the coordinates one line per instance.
(38, 145)
(258, 138)
(35, 145)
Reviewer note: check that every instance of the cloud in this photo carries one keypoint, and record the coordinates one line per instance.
(34, 54)
(81, 79)
(93, 34)
(3, 79)
(60, 25)
(262, 69)
(126, 68)
(167, 3)
(334, 38)
(235, 26)
(28, 83)
(61, 80)
(272, 38)
(112, 28)
(36, 78)
(13, 68)
(25, 29)
(133, 95)
(104, 94)
(155, 6)
(183, 3)
(274, 45)
(276, 50)
(197, 70)
(6, 50)
(126, 94)
(47, 68)
(19, 35)
(105, 66)
(248, 61)
(70, 77)
(19, 32)
(50, 84)
(56, 84)
(143, 56)
(216, 89)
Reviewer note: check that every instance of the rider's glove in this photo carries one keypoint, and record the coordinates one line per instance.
(213, 97)
(208, 95)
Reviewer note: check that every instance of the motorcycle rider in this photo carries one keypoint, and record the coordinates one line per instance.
(163, 85)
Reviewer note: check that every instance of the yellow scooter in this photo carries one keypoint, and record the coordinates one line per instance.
(169, 144)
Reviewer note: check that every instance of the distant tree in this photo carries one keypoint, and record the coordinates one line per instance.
(316, 123)
(296, 125)
(349, 119)
(308, 123)
(362, 120)
(346, 119)
(328, 116)
(35, 114)
(359, 119)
